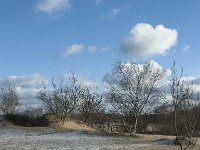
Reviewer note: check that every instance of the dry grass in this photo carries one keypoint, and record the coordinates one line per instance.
(71, 125)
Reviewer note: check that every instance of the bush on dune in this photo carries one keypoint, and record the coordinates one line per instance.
(27, 120)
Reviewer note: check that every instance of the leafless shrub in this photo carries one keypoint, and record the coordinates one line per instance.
(90, 102)
(9, 100)
(63, 97)
(184, 102)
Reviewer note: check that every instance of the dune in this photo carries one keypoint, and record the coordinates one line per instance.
(72, 126)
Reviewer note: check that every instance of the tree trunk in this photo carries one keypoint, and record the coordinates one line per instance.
(134, 129)
(176, 131)
(175, 124)
(86, 116)
(135, 126)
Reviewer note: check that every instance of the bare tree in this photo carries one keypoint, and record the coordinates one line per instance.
(184, 102)
(9, 100)
(63, 97)
(91, 102)
(135, 90)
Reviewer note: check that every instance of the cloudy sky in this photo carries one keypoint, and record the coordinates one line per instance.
(40, 39)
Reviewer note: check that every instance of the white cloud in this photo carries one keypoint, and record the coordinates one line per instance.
(25, 81)
(191, 81)
(186, 48)
(110, 79)
(87, 82)
(53, 7)
(27, 93)
(145, 40)
(72, 50)
(155, 65)
(80, 48)
(113, 12)
(188, 78)
(92, 49)
(105, 49)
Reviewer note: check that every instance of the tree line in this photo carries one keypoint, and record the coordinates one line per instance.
(136, 92)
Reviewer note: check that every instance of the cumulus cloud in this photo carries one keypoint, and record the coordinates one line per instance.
(26, 87)
(72, 50)
(25, 81)
(192, 81)
(109, 78)
(145, 40)
(53, 7)
(156, 65)
(163, 85)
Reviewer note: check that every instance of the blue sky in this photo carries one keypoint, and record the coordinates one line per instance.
(44, 38)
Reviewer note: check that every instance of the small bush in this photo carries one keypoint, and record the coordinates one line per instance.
(27, 120)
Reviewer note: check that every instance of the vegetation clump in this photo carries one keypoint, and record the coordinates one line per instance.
(27, 120)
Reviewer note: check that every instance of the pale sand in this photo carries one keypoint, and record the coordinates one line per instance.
(72, 136)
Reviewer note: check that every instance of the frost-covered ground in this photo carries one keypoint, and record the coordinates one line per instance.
(15, 139)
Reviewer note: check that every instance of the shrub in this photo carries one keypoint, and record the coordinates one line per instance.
(27, 120)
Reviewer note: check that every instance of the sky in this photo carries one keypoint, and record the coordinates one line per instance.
(40, 39)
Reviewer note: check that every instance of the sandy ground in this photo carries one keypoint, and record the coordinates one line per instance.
(51, 139)
(70, 136)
